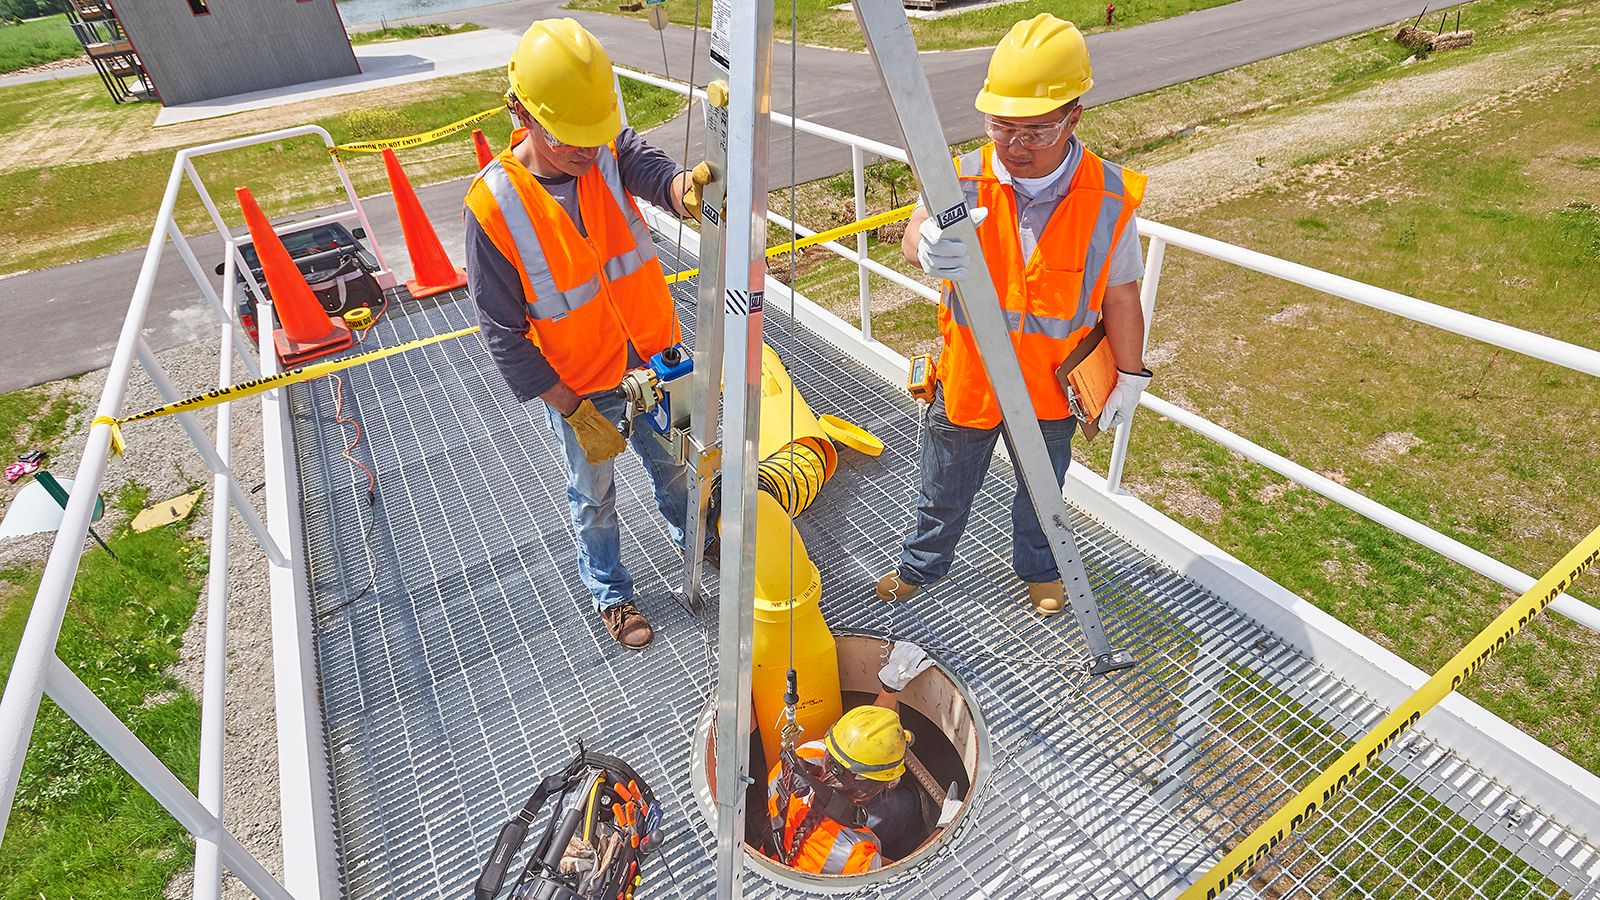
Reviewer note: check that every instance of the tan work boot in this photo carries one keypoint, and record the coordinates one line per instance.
(891, 589)
(628, 625)
(1048, 597)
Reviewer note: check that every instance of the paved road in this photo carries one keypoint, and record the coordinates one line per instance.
(64, 321)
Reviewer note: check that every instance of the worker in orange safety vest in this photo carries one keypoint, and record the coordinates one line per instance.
(570, 294)
(829, 805)
(1057, 229)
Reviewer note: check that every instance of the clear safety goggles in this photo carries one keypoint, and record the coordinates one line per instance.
(1031, 137)
(550, 141)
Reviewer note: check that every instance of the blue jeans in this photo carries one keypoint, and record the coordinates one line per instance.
(954, 463)
(592, 497)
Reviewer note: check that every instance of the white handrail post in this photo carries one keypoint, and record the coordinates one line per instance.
(208, 452)
(218, 304)
(25, 686)
(310, 868)
(213, 702)
(102, 725)
(858, 178)
(1147, 300)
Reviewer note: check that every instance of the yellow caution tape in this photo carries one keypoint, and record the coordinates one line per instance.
(414, 140)
(260, 385)
(1336, 778)
(832, 234)
(317, 370)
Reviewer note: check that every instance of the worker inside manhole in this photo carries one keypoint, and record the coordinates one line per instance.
(864, 749)
(871, 792)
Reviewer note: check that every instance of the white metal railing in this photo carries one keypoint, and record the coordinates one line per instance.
(1561, 353)
(309, 866)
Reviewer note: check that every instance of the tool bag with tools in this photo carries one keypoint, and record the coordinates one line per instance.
(604, 821)
(345, 284)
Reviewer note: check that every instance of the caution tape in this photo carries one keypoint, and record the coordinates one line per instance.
(312, 371)
(832, 234)
(414, 140)
(245, 389)
(1315, 796)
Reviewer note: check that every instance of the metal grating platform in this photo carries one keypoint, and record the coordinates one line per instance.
(460, 661)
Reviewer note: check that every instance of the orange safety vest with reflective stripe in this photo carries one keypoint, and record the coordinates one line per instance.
(1052, 300)
(832, 848)
(586, 297)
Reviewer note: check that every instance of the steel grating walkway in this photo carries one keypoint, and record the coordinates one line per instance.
(460, 661)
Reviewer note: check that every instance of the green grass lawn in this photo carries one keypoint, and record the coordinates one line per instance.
(821, 24)
(31, 419)
(35, 42)
(407, 32)
(80, 826)
(1494, 213)
(65, 212)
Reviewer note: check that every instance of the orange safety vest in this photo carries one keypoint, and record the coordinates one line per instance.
(587, 297)
(830, 849)
(1052, 300)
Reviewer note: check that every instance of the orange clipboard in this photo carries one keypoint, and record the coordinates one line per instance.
(1087, 376)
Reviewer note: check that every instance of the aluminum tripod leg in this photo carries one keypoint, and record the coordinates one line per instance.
(741, 46)
(888, 36)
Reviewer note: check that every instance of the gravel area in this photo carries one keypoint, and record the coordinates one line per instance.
(161, 458)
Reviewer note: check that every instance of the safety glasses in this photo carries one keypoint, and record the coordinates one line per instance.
(532, 124)
(1031, 137)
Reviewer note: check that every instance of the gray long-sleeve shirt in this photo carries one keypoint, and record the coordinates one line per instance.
(496, 288)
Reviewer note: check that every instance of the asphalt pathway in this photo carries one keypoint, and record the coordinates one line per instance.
(65, 321)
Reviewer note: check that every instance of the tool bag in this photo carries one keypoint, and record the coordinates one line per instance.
(346, 285)
(605, 822)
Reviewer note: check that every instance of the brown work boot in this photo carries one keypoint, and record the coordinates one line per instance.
(1047, 597)
(628, 625)
(891, 589)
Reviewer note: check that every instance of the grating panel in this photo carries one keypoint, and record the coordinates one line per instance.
(460, 660)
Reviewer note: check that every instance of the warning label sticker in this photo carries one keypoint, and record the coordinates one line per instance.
(721, 28)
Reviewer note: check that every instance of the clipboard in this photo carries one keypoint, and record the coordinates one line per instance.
(1087, 376)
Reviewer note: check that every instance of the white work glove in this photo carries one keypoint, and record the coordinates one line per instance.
(1124, 399)
(945, 257)
(906, 662)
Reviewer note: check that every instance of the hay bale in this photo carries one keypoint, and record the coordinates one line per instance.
(1452, 40)
(1413, 37)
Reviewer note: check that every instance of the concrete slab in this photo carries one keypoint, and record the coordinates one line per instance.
(382, 65)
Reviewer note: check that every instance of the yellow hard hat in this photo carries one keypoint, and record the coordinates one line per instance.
(869, 742)
(1040, 65)
(562, 76)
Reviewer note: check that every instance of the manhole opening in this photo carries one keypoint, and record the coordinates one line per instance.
(950, 746)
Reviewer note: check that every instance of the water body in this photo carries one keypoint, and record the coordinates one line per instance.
(364, 12)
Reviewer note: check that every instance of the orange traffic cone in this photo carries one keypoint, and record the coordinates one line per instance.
(480, 145)
(308, 332)
(431, 271)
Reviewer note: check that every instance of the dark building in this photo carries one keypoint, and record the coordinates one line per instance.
(199, 49)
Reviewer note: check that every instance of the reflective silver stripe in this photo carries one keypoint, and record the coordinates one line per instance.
(644, 246)
(1029, 323)
(515, 214)
(839, 854)
(1105, 227)
(970, 164)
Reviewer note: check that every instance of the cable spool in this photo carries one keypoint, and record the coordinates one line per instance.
(359, 318)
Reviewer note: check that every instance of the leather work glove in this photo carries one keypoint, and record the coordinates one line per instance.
(1124, 399)
(600, 440)
(698, 179)
(945, 257)
(906, 662)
